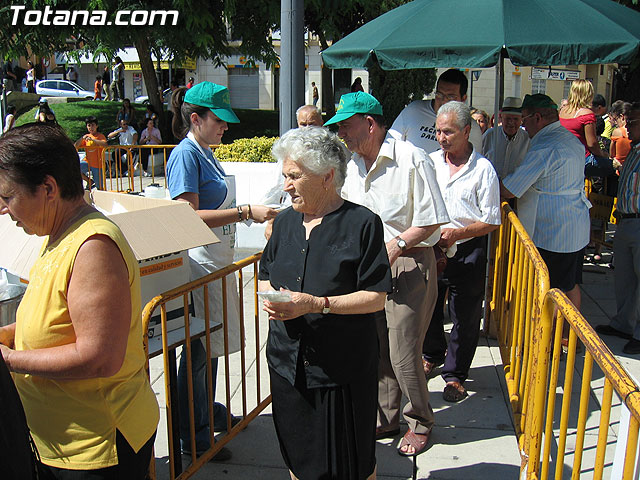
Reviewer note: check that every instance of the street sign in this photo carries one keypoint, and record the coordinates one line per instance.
(554, 74)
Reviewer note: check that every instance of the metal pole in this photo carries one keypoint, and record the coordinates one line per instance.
(291, 62)
(3, 104)
(471, 95)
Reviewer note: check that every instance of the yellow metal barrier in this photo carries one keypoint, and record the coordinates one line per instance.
(520, 280)
(114, 178)
(119, 180)
(250, 409)
(573, 434)
(131, 179)
(530, 319)
(602, 210)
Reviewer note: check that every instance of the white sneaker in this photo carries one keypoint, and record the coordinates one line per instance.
(145, 173)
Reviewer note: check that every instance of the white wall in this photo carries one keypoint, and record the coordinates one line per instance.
(253, 180)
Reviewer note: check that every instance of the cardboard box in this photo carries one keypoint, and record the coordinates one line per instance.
(159, 231)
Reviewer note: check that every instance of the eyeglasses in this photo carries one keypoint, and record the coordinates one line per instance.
(527, 116)
(448, 98)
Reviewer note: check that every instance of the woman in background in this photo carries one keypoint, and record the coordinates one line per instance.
(31, 78)
(579, 119)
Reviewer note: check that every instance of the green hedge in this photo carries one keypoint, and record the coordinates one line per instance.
(257, 149)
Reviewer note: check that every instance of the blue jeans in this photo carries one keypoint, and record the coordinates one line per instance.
(200, 398)
(97, 176)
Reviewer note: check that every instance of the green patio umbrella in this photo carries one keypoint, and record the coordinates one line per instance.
(472, 34)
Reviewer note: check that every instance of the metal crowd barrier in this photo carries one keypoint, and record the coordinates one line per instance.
(170, 342)
(602, 210)
(131, 179)
(119, 180)
(530, 318)
(555, 435)
(520, 280)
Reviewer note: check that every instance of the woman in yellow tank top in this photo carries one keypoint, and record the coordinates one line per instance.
(76, 347)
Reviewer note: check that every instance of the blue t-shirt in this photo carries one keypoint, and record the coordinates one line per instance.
(190, 171)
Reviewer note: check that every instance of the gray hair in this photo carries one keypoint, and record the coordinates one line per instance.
(461, 111)
(316, 149)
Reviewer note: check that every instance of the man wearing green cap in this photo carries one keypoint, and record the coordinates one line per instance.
(397, 181)
(552, 204)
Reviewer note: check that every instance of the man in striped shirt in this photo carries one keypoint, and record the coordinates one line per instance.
(549, 184)
(626, 245)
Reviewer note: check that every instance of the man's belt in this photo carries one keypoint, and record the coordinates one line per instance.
(623, 216)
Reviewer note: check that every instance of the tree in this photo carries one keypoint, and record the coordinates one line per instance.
(205, 29)
(396, 88)
(331, 20)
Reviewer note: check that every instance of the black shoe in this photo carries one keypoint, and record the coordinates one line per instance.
(222, 456)
(632, 347)
(609, 330)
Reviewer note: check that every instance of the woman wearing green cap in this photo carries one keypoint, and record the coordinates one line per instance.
(195, 176)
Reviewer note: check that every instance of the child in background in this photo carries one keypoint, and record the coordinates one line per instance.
(97, 88)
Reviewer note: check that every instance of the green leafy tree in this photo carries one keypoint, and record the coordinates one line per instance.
(205, 29)
(397, 88)
(332, 20)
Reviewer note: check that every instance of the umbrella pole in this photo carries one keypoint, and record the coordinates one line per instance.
(498, 95)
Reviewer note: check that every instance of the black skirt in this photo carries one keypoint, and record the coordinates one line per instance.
(328, 432)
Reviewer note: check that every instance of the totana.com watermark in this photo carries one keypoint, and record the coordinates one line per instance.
(97, 18)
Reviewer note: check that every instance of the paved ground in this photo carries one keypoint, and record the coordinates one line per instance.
(471, 440)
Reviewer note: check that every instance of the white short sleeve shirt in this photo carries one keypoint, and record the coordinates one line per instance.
(472, 194)
(400, 186)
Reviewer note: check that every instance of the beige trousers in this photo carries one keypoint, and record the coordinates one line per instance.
(408, 313)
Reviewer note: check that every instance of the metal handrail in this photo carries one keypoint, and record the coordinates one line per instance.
(168, 352)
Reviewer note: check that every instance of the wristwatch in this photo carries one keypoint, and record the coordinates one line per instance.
(402, 245)
(327, 306)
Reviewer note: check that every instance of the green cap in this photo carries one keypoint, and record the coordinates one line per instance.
(538, 100)
(356, 102)
(215, 98)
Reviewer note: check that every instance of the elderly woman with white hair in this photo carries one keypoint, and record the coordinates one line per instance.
(327, 255)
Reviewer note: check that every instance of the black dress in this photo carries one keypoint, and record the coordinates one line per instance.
(324, 367)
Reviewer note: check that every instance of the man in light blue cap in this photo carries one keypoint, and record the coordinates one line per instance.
(397, 181)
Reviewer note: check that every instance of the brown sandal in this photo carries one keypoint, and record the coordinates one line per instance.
(416, 440)
(454, 392)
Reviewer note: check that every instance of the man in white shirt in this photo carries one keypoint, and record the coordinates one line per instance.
(127, 135)
(552, 204)
(471, 192)
(417, 122)
(397, 181)
(507, 144)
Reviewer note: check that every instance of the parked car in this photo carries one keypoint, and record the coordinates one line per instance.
(166, 97)
(62, 88)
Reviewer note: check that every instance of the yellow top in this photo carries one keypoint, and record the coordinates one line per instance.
(74, 422)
